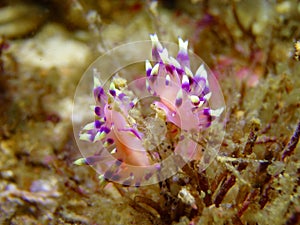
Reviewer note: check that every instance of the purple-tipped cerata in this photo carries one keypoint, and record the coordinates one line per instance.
(181, 100)
(183, 95)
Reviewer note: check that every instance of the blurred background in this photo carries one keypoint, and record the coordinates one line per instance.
(250, 45)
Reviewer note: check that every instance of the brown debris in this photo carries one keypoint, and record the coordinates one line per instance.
(289, 149)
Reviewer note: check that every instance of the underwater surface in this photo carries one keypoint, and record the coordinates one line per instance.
(150, 112)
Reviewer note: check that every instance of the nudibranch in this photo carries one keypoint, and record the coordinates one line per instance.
(181, 99)
(183, 96)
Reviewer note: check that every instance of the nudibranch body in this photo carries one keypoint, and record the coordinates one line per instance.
(183, 96)
(182, 100)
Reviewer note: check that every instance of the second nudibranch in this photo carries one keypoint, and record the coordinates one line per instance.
(183, 95)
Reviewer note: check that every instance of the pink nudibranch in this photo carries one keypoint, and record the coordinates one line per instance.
(183, 98)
